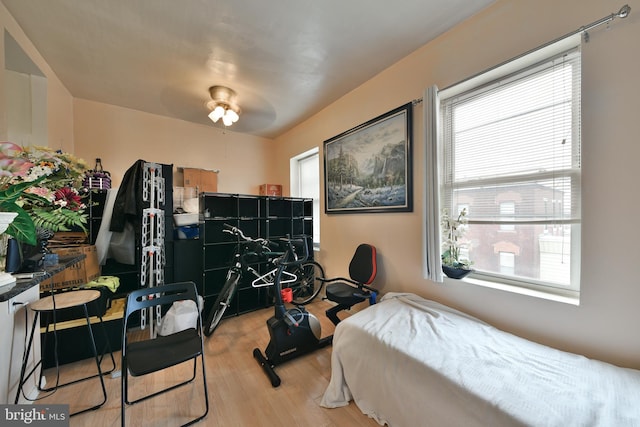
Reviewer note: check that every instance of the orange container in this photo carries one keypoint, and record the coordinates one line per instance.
(287, 294)
(271, 190)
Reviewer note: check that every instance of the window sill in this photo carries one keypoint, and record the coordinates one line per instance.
(564, 298)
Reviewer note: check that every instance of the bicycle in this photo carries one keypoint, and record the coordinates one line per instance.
(303, 279)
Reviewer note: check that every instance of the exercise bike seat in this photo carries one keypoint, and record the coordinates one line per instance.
(343, 293)
(362, 271)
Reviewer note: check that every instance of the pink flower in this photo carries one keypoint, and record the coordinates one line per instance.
(43, 192)
(9, 149)
(12, 164)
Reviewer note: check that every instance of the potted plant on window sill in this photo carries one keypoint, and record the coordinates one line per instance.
(453, 229)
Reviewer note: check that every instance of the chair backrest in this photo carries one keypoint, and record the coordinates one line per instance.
(363, 267)
(164, 295)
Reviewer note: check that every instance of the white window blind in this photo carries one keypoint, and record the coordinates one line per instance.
(305, 182)
(515, 141)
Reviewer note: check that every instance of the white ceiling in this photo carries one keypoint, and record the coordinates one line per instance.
(286, 59)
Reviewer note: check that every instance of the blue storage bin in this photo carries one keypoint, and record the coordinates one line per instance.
(187, 232)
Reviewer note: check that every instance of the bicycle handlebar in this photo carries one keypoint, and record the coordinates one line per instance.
(264, 243)
(257, 247)
(228, 228)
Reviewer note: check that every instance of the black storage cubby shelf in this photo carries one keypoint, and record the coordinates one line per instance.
(248, 207)
(256, 216)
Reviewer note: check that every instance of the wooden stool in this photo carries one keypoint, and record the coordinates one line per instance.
(50, 305)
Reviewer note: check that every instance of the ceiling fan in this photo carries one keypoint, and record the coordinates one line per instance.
(223, 105)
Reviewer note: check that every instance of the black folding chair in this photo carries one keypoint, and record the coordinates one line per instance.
(154, 354)
(347, 292)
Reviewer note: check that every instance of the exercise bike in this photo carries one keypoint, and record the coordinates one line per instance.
(293, 332)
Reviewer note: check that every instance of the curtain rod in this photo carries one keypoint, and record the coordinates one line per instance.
(622, 13)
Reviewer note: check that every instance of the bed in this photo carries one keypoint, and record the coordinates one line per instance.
(408, 361)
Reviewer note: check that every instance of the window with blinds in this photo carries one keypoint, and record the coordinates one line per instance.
(305, 182)
(511, 156)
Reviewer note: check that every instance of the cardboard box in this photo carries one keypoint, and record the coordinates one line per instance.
(68, 238)
(78, 274)
(271, 190)
(202, 179)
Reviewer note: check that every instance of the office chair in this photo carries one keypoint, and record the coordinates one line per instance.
(347, 292)
(154, 354)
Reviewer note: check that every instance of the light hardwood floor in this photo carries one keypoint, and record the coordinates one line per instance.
(240, 394)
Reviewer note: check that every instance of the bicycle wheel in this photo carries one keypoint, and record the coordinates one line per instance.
(307, 287)
(222, 302)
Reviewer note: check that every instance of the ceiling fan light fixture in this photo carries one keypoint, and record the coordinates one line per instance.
(232, 115)
(217, 113)
(223, 105)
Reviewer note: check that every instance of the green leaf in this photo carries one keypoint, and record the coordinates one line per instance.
(59, 219)
(13, 192)
(22, 228)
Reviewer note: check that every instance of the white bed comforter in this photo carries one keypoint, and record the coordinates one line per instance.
(407, 361)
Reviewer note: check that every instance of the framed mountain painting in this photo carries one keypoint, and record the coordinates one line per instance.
(368, 168)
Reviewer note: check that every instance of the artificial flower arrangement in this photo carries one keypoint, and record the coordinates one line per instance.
(453, 230)
(43, 186)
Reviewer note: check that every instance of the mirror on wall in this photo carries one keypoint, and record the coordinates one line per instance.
(25, 96)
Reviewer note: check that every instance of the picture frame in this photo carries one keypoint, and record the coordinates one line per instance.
(369, 167)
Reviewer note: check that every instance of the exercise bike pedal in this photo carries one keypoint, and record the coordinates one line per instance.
(267, 367)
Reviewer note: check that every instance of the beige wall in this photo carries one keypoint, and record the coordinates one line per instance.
(120, 136)
(603, 325)
(59, 100)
